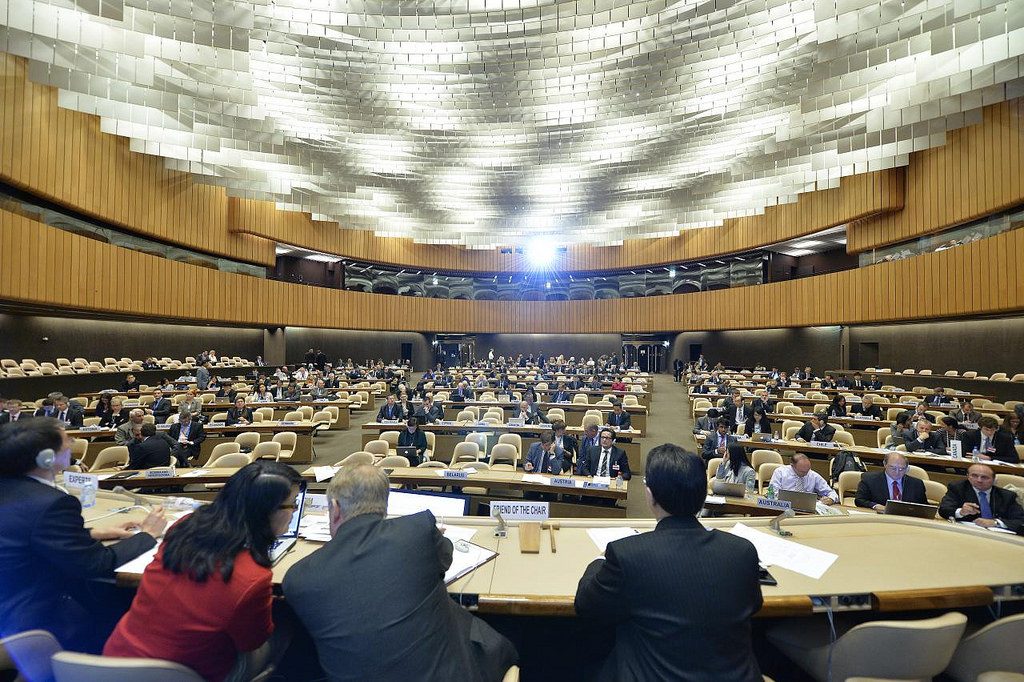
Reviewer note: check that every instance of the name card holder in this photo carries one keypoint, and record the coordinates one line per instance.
(596, 485)
(563, 480)
(160, 472)
(781, 505)
(454, 473)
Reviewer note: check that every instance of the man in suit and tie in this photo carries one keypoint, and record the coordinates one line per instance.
(735, 410)
(966, 415)
(990, 442)
(561, 395)
(13, 413)
(188, 436)
(429, 412)
(203, 376)
(817, 430)
(160, 408)
(717, 443)
(400, 624)
(69, 413)
(239, 414)
(878, 487)
(868, 408)
(150, 449)
(618, 418)
(937, 398)
(978, 500)
(544, 456)
(390, 410)
(605, 460)
(653, 590)
(874, 384)
(50, 564)
(925, 440)
(463, 393)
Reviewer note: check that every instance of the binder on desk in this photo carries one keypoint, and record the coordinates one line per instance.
(466, 558)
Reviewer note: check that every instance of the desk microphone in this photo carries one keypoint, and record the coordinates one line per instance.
(776, 523)
(137, 500)
(501, 530)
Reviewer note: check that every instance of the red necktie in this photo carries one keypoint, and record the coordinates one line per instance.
(896, 491)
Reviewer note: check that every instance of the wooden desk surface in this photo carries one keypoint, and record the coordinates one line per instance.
(897, 563)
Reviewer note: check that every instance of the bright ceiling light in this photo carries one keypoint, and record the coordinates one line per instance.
(540, 251)
(809, 244)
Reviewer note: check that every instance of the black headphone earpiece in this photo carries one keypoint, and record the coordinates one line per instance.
(45, 458)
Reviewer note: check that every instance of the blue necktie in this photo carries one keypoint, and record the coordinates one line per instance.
(986, 508)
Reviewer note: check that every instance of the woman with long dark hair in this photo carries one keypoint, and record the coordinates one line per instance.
(838, 407)
(206, 596)
(735, 468)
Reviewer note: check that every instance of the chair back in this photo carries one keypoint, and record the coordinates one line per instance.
(844, 437)
(514, 439)
(378, 448)
(31, 651)
(847, 484)
(115, 455)
(713, 466)
(266, 450)
(994, 647)
(926, 648)
(393, 461)
(247, 440)
(759, 457)
(230, 460)
(917, 472)
(481, 441)
(356, 459)
(307, 412)
(74, 667)
(391, 437)
(504, 453)
(934, 491)
(466, 451)
(764, 474)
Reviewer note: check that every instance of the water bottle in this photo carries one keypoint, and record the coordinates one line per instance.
(618, 481)
(770, 492)
(88, 496)
(974, 455)
(775, 436)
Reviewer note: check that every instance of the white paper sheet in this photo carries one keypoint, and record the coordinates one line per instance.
(602, 536)
(324, 473)
(774, 551)
(195, 473)
(714, 499)
(464, 562)
(456, 533)
(535, 478)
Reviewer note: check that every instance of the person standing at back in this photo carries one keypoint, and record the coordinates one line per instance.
(681, 597)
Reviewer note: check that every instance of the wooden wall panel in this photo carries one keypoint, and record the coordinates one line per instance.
(62, 156)
(980, 170)
(857, 197)
(43, 265)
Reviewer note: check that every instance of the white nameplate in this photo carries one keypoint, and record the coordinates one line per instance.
(600, 485)
(520, 511)
(781, 505)
(563, 480)
(454, 473)
(822, 444)
(956, 449)
(163, 472)
(77, 480)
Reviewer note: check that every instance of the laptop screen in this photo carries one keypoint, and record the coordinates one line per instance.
(300, 504)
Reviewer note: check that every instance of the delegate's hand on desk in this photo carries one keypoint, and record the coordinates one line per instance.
(528, 466)
(155, 523)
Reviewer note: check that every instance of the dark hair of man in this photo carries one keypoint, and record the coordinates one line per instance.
(413, 421)
(23, 440)
(547, 437)
(987, 422)
(677, 480)
(737, 458)
(148, 429)
(209, 538)
(610, 432)
(557, 425)
(949, 421)
(723, 421)
(902, 418)
(822, 417)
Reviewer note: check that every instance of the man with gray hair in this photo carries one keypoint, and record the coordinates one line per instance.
(398, 622)
(130, 430)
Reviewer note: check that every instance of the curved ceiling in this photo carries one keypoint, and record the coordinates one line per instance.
(487, 122)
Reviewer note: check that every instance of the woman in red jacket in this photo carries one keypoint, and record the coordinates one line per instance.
(206, 596)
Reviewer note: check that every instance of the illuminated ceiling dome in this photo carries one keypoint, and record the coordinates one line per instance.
(491, 121)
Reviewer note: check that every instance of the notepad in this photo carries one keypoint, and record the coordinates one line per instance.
(602, 536)
(774, 551)
(139, 563)
(464, 562)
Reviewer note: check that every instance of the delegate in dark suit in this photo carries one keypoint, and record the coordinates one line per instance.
(390, 411)
(154, 451)
(545, 462)
(73, 415)
(5, 417)
(714, 441)
(590, 461)
(235, 416)
(1001, 446)
(875, 412)
(621, 420)
(194, 433)
(414, 632)
(681, 599)
(823, 435)
(161, 410)
(1003, 502)
(874, 489)
(430, 415)
(48, 558)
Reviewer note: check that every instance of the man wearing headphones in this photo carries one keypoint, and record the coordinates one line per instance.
(50, 564)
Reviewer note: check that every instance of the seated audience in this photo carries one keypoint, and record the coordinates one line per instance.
(129, 430)
(654, 590)
(544, 456)
(978, 500)
(50, 564)
(868, 408)
(966, 414)
(207, 595)
(150, 449)
(569, 444)
(925, 440)
(416, 630)
(561, 395)
(1012, 425)
(619, 418)
(817, 430)
(192, 404)
(735, 468)
(188, 436)
(130, 384)
(117, 415)
(103, 404)
(529, 414)
(878, 487)
(13, 413)
(160, 408)
(757, 422)
(605, 459)
(838, 407)
(938, 397)
(239, 414)
(707, 423)
(920, 411)
(901, 430)
(429, 412)
(874, 383)
(413, 436)
(798, 476)
(990, 442)
(463, 393)
(61, 409)
(950, 430)
(263, 394)
(390, 410)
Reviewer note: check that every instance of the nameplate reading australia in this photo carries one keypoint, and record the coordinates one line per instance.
(563, 480)
(455, 473)
(781, 505)
(160, 473)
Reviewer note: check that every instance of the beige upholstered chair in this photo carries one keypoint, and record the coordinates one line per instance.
(230, 460)
(378, 448)
(504, 456)
(465, 452)
(247, 440)
(995, 647)
(480, 439)
(393, 462)
(287, 441)
(75, 667)
(925, 646)
(30, 652)
(764, 474)
(759, 457)
(266, 450)
(515, 439)
(355, 459)
(846, 486)
(115, 455)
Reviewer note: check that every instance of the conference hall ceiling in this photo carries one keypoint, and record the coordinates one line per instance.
(491, 122)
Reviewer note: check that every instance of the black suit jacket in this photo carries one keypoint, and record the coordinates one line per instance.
(234, 415)
(197, 435)
(932, 444)
(161, 410)
(1003, 502)
(435, 413)
(1002, 444)
(823, 435)
(623, 420)
(570, 450)
(874, 489)
(47, 558)
(590, 459)
(155, 451)
(874, 411)
(75, 415)
(390, 412)
(680, 599)
(416, 631)
(5, 417)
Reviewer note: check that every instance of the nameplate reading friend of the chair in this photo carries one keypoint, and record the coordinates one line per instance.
(455, 473)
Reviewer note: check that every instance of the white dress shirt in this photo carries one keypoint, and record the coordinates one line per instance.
(785, 478)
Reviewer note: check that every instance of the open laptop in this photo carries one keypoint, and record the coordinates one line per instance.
(802, 502)
(407, 451)
(728, 489)
(921, 511)
(286, 540)
(761, 437)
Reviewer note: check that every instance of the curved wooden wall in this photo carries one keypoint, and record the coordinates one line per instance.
(46, 266)
(980, 170)
(62, 156)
